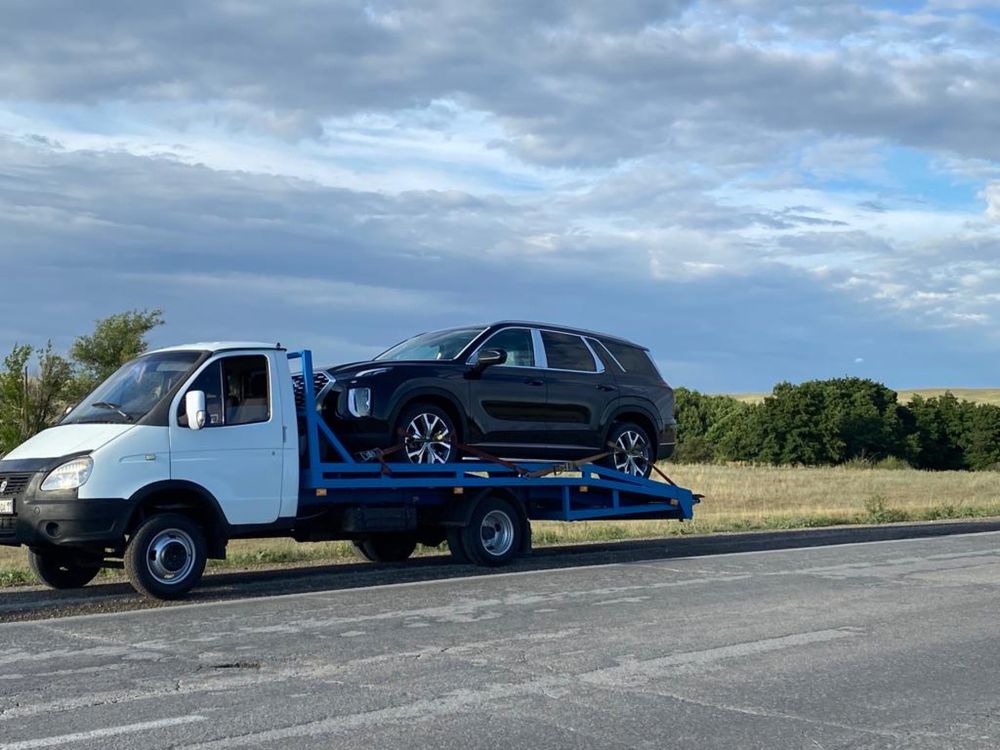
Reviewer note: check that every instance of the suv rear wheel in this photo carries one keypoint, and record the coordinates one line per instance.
(632, 450)
(429, 435)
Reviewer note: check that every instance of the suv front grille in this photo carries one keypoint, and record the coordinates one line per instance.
(320, 380)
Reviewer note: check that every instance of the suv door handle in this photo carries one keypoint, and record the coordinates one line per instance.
(534, 382)
(603, 387)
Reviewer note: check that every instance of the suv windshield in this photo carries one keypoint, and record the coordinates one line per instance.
(138, 386)
(432, 346)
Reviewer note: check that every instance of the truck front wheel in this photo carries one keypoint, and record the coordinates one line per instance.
(60, 570)
(166, 556)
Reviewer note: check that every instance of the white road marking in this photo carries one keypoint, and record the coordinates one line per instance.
(472, 578)
(459, 701)
(96, 734)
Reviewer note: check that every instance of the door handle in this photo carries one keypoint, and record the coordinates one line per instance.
(534, 382)
(603, 387)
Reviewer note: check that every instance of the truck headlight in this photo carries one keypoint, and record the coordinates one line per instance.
(70, 475)
(359, 401)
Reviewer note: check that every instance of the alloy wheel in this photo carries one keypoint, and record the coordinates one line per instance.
(428, 439)
(632, 453)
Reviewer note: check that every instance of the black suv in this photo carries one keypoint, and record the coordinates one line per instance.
(512, 389)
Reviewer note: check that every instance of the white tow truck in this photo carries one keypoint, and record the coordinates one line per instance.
(185, 448)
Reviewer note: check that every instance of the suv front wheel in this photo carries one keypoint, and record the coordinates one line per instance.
(429, 435)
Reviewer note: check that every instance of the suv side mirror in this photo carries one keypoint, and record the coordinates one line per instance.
(195, 409)
(489, 358)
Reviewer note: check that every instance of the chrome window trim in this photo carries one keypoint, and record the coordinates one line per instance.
(608, 352)
(541, 358)
(598, 364)
(534, 344)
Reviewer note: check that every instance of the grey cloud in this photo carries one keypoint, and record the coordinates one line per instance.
(234, 255)
(572, 83)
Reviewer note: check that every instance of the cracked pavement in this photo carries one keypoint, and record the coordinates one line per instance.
(876, 645)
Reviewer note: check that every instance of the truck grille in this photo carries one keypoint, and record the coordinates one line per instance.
(320, 380)
(13, 484)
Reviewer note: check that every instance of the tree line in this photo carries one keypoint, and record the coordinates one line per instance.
(824, 422)
(37, 385)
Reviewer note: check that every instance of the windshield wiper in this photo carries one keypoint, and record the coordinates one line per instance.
(112, 407)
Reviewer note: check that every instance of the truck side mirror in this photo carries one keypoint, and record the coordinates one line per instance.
(489, 358)
(195, 409)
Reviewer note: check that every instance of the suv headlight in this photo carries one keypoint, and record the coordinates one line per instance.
(70, 475)
(359, 401)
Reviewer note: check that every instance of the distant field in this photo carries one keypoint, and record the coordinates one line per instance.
(978, 395)
(737, 498)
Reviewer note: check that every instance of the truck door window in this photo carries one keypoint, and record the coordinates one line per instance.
(247, 391)
(237, 391)
(210, 382)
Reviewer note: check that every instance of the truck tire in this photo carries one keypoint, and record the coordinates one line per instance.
(429, 435)
(633, 452)
(60, 570)
(457, 547)
(495, 534)
(387, 548)
(166, 556)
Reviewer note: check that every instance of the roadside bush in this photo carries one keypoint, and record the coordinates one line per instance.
(878, 511)
(850, 421)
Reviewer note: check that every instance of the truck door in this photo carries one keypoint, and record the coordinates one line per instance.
(238, 454)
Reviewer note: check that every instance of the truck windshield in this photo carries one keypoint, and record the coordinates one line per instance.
(431, 346)
(138, 386)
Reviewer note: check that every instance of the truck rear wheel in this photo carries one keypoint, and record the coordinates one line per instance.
(61, 570)
(495, 534)
(166, 556)
(387, 547)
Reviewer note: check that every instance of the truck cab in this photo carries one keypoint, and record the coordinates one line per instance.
(133, 449)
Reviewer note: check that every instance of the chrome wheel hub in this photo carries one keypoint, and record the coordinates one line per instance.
(632, 453)
(428, 440)
(170, 556)
(497, 533)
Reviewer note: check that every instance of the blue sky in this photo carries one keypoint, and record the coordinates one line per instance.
(756, 190)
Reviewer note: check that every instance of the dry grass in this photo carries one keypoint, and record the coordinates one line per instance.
(977, 395)
(736, 498)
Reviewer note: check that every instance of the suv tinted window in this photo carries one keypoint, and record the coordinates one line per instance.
(236, 392)
(517, 343)
(565, 351)
(635, 360)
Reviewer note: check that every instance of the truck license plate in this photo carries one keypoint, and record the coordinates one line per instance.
(7, 507)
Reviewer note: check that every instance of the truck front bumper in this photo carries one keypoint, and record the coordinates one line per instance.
(62, 519)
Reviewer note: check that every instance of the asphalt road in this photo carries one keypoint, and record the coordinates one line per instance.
(876, 645)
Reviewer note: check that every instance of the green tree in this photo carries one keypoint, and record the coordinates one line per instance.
(115, 340)
(702, 423)
(30, 400)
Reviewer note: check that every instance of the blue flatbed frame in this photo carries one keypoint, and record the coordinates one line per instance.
(587, 492)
